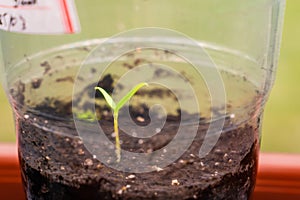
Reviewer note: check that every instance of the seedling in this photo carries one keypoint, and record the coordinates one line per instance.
(115, 108)
(88, 116)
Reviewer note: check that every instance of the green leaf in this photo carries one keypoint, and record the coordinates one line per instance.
(107, 97)
(129, 95)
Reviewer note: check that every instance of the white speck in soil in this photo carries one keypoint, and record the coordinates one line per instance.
(140, 119)
(232, 116)
(113, 134)
(94, 156)
(34, 119)
(131, 176)
(190, 161)
(141, 141)
(230, 161)
(158, 169)
(88, 162)
(165, 150)
(225, 155)
(105, 112)
(99, 166)
(46, 121)
(26, 116)
(134, 134)
(62, 168)
(67, 139)
(182, 161)
(202, 164)
(192, 155)
(149, 150)
(157, 130)
(123, 189)
(195, 196)
(120, 191)
(175, 182)
(218, 150)
(80, 152)
(217, 163)
(48, 158)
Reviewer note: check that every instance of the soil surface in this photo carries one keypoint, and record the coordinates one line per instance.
(56, 165)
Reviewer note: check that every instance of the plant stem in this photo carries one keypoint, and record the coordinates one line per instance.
(116, 130)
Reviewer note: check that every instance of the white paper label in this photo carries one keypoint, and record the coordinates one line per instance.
(39, 16)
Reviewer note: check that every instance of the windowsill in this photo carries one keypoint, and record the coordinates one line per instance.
(278, 176)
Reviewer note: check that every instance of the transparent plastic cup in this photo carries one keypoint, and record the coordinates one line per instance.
(192, 133)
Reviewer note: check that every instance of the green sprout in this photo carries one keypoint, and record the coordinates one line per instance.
(115, 108)
(88, 116)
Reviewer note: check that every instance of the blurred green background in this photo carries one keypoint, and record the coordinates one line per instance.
(281, 127)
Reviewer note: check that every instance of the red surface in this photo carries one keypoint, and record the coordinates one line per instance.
(10, 179)
(278, 176)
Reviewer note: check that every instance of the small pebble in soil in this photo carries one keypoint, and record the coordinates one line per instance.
(149, 150)
(140, 119)
(99, 166)
(182, 161)
(131, 176)
(88, 162)
(158, 169)
(80, 152)
(175, 182)
(105, 112)
(141, 141)
(123, 189)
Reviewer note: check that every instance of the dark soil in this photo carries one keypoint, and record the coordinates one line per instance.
(58, 166)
